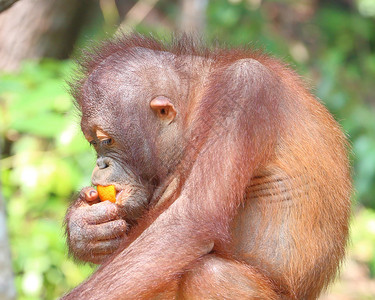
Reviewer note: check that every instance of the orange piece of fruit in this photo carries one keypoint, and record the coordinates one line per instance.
(107, 193)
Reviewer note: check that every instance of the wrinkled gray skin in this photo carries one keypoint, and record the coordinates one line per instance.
(118, 103)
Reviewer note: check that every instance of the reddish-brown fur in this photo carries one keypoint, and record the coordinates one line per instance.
(261, 204)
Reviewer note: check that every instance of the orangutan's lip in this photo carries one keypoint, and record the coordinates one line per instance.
(118, 193)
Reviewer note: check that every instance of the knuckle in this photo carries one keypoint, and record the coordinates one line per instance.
(101, 211)
(121, 224)
(77, 220)
(117, 242)
(81, 246)
(97, 210)
(100, 258)
(110, 209)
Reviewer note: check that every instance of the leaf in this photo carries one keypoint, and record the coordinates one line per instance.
(45, 125)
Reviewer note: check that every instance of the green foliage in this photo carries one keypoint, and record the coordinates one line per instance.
(363, 238)
(346, 65)
(45, 161)
(242, 23)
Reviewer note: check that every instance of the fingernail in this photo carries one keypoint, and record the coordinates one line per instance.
(92, 193)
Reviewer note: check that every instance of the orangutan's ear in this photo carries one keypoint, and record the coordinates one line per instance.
(163, 108)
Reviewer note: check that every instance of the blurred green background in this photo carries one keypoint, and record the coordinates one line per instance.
(45, 160)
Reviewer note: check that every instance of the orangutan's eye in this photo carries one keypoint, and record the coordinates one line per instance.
(106, 142)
